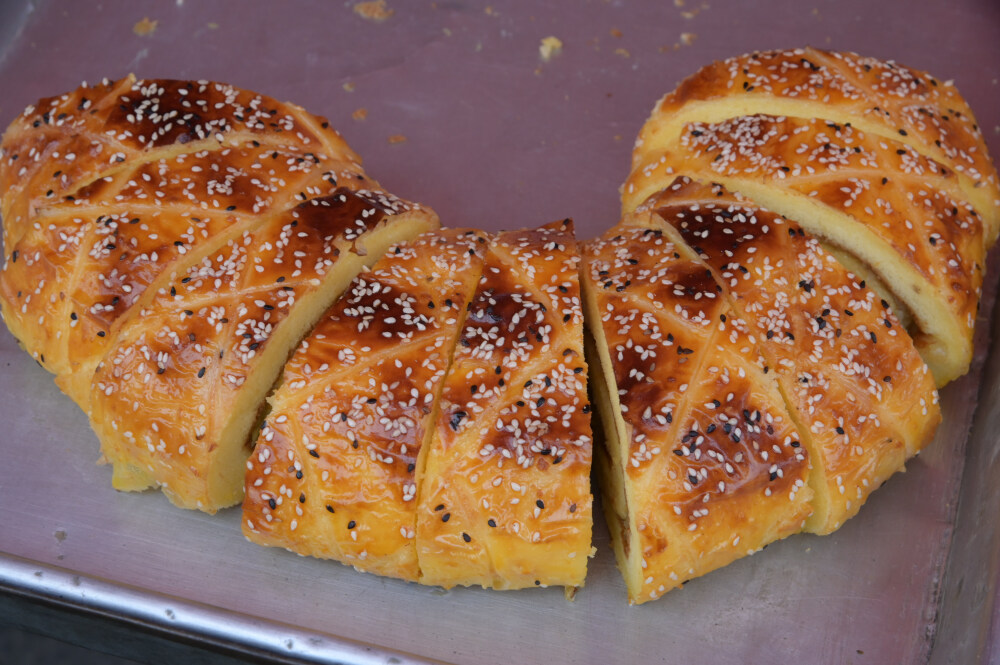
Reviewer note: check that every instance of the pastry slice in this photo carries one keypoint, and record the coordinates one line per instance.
(337, 467)
(855, 386)
(872, 197)
(702, 463)
(177, 394)
(880, 98)
(108, 190)
(505, 499)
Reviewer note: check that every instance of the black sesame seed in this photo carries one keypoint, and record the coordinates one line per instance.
(272, 503)
(492, 522)
(330, 508)
(314, 453)
(466, 537)
(351, 524)
(446, 517)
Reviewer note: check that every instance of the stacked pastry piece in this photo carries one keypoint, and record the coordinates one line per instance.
(167, 243)
(757, 378)
(435, 425)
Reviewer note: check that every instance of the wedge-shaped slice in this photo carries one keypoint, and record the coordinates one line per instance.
(336, 469)
(857, 389)
(872, 197)
(76, 276)
(505, 499)
(62, 143)
(880, 98)
(176, 396)
(702, 463)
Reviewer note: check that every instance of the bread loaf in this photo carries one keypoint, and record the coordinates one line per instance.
(188, 234)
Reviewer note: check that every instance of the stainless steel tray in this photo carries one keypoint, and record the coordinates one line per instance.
(496, 137)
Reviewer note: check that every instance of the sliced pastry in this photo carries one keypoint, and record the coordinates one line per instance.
(859, 393)
(505, 498)
(337, 467)
(702, 463)
(107, 190)
(880, 98)
(870, 196)
(183, 383)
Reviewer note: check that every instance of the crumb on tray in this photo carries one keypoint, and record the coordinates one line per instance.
(145, 27)
(550, 48)
(397, 138)
(373, 10)
(360, 114)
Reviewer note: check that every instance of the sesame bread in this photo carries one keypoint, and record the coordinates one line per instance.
(338, 464)
(702, 463)
(880, 98)
(505, 499)
(134, 212)
(107, 189)
(862, 398)
(872, 197)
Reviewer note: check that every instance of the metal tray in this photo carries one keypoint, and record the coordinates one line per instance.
(496, 137)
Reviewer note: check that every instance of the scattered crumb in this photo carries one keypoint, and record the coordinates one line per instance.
(60, 534)
(618, 137)
(490, 11)
(815, 11)
(145, 27)
(615, 32)
(687, 38)
(689, 15)
(678, 3)
(550, 47)
(349, 86)
(373, 10)
(446, 31)
(623, 52)
(360, 114)
(397, 138)
(996, 129)
(213, 25)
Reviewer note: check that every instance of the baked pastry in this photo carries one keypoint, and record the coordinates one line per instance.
(134, 213)
(702, 463)
(108, 189)
(434, 426)
(505, 499)
(336, 469)
(862, 397)
(879, 98)
(875, 198)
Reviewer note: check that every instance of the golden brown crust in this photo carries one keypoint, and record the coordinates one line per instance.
(109, 188)
(863, 399)
(879, 97)
(505, 501)
(336, 469)
(872, 196)
(166, 398)
(703, 455)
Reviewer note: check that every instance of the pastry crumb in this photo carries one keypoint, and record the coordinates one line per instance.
(550, 48)
(360, 114)
(212, 25)
(616, 33)
(374, 10)
(687, 38)
(397, 138)
(349, 86)
(623, 52)
(145, 27)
